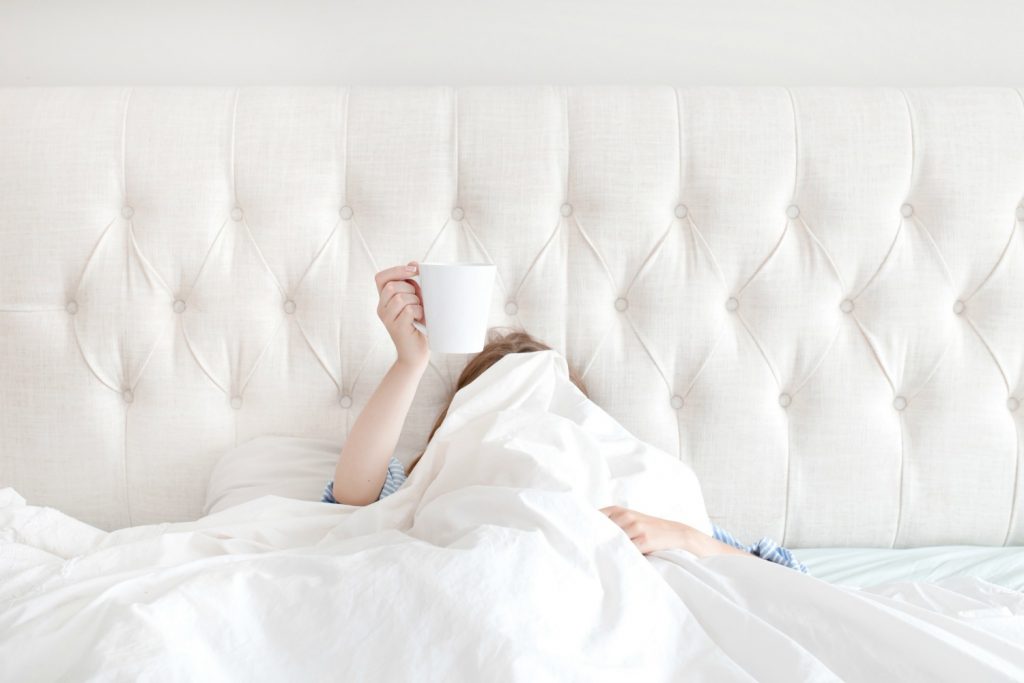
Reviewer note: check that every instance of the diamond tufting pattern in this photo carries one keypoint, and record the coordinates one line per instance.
(814, 297)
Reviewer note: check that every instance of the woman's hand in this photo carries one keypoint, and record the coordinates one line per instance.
(399, 304)
(650, 534)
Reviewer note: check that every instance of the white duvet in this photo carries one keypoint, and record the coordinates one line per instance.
(491, 563)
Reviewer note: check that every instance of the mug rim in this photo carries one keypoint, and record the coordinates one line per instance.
(473, 264)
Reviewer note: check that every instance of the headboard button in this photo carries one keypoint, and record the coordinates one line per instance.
(846, 306)
(178, 306)
(677, 402)
(127, 396)
(458, 214)
(127, 211)
(793, 211)
(621, 304)
(236, 402)
(71, 307)
(346, 401)
(236, 214)
(959, 307)
(1020, 212)
(346, 213)
(1012, 404)
(567, 209)
(289, 307)
(785, 400)
(899, 403)
(732, 304)
(681, 211)
(511, 308)
(907, 210)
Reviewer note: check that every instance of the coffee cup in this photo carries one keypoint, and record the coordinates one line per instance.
(456, 305)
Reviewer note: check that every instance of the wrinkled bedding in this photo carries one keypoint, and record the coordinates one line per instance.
(491, 563)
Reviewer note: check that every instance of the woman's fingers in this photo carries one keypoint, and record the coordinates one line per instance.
(619, 515)
(397, 303)
(393, 274)
(395, 294)
(398, 295)
(395, 287)
(634, 525)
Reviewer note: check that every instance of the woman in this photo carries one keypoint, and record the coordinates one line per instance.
(367, 471)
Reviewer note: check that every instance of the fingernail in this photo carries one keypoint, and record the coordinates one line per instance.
(411, 269)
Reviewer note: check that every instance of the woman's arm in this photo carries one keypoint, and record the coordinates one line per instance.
(651, 534)
(363, 463)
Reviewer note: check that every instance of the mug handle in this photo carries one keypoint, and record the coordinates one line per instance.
(418, 325)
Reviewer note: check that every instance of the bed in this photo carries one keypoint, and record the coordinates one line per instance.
(808, 298)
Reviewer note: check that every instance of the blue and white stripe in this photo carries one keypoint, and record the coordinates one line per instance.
(766, 548)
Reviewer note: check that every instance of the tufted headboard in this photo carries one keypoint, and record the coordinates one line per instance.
(815, 296)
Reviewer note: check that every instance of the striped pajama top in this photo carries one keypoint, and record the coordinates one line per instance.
(765, 548)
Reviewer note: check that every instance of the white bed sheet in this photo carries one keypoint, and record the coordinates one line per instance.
(865, 567)
(472, 572)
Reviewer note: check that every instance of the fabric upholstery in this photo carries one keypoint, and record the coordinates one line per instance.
(812, 296)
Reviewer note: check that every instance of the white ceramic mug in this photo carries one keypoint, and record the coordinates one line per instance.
(456, 305)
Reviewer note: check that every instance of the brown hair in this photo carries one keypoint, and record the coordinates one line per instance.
(499, 344)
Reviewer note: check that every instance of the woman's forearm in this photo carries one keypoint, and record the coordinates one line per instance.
(362, 465)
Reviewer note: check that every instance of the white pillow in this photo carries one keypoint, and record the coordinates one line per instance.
(289, 466)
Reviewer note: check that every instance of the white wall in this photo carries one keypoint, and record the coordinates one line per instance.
(729, 42)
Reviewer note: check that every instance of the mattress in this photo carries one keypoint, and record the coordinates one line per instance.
(864, 567)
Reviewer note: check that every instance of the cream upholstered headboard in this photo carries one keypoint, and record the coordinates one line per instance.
(815, 297)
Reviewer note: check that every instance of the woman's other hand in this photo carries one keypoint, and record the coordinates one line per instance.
(399, 305)
(650, 534)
